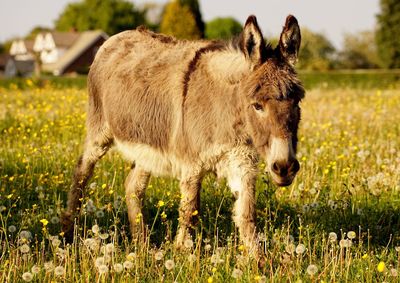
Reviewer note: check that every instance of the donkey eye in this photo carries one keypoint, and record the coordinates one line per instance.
(258, 107)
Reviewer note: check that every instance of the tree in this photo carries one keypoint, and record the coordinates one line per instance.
(316, 52)
(360, 51)
(194, 7)
(222, 28)
(111, 16)
(179, 21)
(387, 35)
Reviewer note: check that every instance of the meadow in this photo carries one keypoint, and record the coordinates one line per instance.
(338, 222)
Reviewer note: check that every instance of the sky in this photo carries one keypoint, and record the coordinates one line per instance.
(332, 18)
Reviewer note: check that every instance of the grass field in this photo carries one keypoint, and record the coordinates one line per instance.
(339, 221)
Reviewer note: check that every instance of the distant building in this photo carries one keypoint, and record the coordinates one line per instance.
(59, 52)
(76, 57)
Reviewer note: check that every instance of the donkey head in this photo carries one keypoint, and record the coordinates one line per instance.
(271, 96)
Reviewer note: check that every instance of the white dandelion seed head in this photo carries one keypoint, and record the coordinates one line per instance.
(207, 247)
(169, 264)
(27, 277)
(55, 242)
(104, 236)
(237, 273)
(345, 243)
(188, 243)
(118, 268)
(131, 256)
(300, 249)
(332, 237)
(351, 235)
(35, 269)
(24, 248)
(312, 269)
(99, 213)
(159, 255)
(49, 266)
(91, 243)
(215, 259)
(12, 228)
(55, 220)
(110, 248)
(59, 271)
(95, 229)
(192, 258)
(24, 234)
(100, 261)
(394, 272)
(61, 253)
(128, 264)
(103, 269)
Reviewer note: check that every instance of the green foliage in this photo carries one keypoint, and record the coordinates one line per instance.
(222, 28)
(179, 21)
(194, 7)
(387, 35)
(316, 51)
(111, 16)
(359, 51)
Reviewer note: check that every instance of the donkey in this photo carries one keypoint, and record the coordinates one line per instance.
(184, 108)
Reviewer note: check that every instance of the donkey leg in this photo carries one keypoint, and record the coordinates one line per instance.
(242, 183)
(135, 187)
(188, 209)
(94, 150)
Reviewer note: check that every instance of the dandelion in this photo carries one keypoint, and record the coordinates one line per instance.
(128, 264)
(59, 271)
(300, 249)
(188, 243)
(381, 267)
(394, 272)
(55, 220)
(95, 229)
(312, 269)
(104, 236)
(12, 228)
(25, 235)
(99, 214)
(345, 243)
(397, 248)
(351, 235)
(91, 243)
(44, 222)
(207, 247)
(103, 269)
(99, 261)
(49, 266)
(109, 248)
(27, 277)
(160, 203)
(169, 264)
(24, 249)
(192, 258)
(216, 259)
(35, 269)
(332, 237)
(118, 268)
(237, 273)
(55, 242)
(131, 256)
(159, 255)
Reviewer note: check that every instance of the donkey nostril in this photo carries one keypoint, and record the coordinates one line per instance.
(280, 169)
(294, 167)
(275, 167)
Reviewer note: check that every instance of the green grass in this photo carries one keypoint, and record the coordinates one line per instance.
(350, 181)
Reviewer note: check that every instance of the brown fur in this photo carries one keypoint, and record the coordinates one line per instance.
(184, 108)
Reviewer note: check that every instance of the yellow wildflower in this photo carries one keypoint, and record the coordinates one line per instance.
(44, 222)
(381, 266)
(160, 203)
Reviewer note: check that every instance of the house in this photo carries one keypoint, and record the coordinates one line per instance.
(59, 53)
(11, 67)
(52, 45)
(76, 57)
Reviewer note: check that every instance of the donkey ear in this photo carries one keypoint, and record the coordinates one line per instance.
(289, 43)
(252, 42)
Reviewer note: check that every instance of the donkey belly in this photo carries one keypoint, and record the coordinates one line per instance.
(150, 159)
